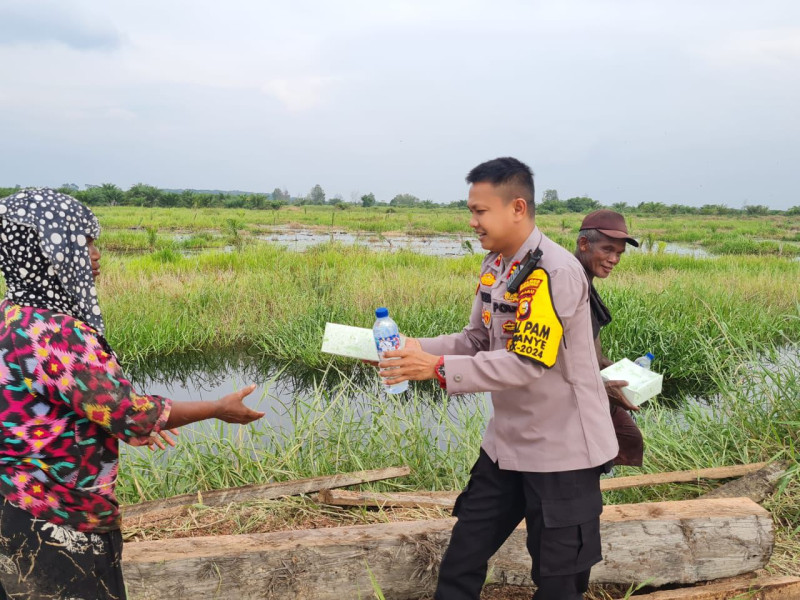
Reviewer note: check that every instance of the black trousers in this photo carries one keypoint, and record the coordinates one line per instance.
(42, 561)
(562, 515)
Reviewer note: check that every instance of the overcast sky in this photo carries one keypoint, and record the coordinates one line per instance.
(692, 102)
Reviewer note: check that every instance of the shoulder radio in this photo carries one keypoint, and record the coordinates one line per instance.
(526, 267)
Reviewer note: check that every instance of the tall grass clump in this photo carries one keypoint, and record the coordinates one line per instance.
(273, 304)
(339, 426)
(333, 428)
(688, 310)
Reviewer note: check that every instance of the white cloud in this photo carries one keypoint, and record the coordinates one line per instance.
(102, 113)
(763, 48)
(378, 96)
(300, 93)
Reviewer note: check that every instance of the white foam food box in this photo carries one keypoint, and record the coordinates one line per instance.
(643, 384)
(353, 342)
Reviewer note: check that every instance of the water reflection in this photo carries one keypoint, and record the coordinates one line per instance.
(300, 240)
(208, 377)
(677, 249)
(281, 389)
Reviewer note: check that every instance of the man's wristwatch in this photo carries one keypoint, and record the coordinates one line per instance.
(439, 370)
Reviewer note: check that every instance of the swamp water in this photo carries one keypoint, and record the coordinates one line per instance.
(292, 398)
(300, 240)
(294, 395)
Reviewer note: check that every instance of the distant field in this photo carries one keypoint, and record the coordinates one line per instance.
(139, 229)
(724, 331)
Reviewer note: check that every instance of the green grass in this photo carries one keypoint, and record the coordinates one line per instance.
(125, 227)
(273, 304)
(755, 417)
(338, 426)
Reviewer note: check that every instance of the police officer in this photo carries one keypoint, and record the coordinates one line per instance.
(600, 245)
(529, 342)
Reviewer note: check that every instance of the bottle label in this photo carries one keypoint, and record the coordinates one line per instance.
(391, 342)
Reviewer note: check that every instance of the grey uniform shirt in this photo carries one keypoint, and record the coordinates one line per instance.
(544, 420)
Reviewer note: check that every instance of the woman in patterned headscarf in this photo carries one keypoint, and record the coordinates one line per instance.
(64, 404)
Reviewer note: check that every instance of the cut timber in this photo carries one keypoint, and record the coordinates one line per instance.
(663, 542)
(265, 491)
(388, 499)
(447, 499)
(756, 486)
(761, 588)
(619, 483)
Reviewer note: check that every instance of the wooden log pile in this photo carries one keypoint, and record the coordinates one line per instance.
(659, 543)
(738, 588)
(266, 491)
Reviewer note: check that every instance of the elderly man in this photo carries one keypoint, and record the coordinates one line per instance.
(601, 243)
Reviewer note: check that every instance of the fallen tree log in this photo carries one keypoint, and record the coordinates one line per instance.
(662, 542)
(265, 491)
(756, 486)
(447, 499)
(761, 588)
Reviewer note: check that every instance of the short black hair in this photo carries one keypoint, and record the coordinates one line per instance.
(509, 172)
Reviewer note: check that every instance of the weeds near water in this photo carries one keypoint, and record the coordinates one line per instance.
(648, 242)
(152, 237)
(330, 429)
(273, 303)
(721, 235)
(234, 228)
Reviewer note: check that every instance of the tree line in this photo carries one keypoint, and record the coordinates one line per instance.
(551, 204)
(141, 194)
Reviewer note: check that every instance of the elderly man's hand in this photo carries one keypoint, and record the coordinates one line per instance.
(409, 364)
(615, 395)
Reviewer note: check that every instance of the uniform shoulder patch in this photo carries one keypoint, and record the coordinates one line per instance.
(538, 330)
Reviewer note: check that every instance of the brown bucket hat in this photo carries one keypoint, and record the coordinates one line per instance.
(609, 223)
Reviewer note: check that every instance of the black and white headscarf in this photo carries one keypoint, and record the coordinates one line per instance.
(44, 253)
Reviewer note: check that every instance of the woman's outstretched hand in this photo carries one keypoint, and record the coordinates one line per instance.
(167, 435)
(231, 408)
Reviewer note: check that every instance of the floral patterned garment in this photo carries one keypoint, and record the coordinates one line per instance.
(64, 404)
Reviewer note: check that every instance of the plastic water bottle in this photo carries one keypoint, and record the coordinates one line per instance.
(387, 337)
(644, 361)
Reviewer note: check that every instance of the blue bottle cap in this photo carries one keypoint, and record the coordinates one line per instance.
(650, 356)
(381, 312)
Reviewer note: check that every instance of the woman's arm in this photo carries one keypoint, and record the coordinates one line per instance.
(229, 408)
